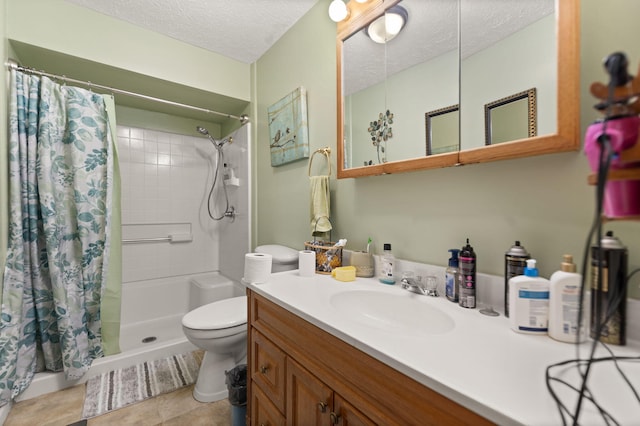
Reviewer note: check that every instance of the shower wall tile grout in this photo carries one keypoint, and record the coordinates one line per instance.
(165, 180)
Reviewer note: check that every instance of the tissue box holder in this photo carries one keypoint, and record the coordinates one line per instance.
(327, 258)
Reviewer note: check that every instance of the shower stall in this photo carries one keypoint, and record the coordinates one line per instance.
(169, 236)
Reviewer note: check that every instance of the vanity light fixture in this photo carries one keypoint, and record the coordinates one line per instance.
(338, 11)
(389, 25)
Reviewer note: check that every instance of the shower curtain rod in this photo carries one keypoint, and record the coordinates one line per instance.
(12, 64)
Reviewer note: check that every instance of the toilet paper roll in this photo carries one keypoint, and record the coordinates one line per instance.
(257, 268)
(306, 263)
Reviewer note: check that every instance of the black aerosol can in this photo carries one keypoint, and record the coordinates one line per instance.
(609, 290)
(515, 260)
(467, 265)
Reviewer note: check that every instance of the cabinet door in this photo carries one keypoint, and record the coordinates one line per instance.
(309, 401)
(263, 412)
(267, 368)
(345, 414)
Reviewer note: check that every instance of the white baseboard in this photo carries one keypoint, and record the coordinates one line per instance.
(4, 412)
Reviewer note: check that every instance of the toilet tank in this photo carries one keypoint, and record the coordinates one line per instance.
(282, 258)
(209, 288)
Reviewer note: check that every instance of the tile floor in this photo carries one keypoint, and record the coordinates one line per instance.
(64, 408)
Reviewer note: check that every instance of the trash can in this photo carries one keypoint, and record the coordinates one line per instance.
(236, 381)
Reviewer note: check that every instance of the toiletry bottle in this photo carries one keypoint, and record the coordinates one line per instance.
(564, 303)
(452, 277)
(467, 265)
(609, 294)
(225, 173)
(529, 301)
(387, 265)
(515, 260)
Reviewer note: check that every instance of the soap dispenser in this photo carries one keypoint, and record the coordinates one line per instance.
(529, 301)
(564, 303)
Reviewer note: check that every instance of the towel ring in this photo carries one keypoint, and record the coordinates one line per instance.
(326, 151)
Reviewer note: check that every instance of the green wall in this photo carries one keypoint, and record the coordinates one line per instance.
(304, 56)
(543, 201)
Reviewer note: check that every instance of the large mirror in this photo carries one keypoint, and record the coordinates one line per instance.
(466, 52)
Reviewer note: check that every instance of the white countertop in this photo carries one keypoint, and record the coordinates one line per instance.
(481, 364)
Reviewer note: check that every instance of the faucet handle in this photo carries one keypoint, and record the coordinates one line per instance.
(431, 285)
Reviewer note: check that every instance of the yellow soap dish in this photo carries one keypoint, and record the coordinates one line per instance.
(344, 273)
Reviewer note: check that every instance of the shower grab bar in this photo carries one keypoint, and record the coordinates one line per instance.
(173, 238)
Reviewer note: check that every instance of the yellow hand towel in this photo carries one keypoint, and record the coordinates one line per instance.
(320, 204)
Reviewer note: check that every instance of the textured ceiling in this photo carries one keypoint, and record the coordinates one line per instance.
(245, 29)
(239, 29)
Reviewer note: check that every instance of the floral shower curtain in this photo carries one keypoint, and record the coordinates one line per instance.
(60, 175)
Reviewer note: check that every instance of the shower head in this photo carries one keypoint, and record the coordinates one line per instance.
(202, 130)
(216, 142)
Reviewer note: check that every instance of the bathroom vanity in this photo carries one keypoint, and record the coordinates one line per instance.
(364, 353)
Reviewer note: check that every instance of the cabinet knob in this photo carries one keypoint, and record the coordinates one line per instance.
(335, 418)
(322, 406)
(264, 369)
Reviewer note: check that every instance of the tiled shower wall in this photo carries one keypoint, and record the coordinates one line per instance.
(165, 182)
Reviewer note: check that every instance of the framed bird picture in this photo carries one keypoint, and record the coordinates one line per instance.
(288, 128)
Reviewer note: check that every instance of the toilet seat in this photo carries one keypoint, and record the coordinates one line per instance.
(223, 314)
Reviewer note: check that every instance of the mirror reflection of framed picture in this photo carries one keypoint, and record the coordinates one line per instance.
(511, 118)
(442, 128)
(288, 128)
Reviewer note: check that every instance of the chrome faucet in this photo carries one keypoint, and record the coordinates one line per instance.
(415, 285)
(410, 284)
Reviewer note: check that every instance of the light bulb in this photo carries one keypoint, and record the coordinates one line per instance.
(393, 24)
(338, 10)
(387, 26)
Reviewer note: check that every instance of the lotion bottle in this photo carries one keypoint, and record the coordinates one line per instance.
(564, 303)
(529, 301)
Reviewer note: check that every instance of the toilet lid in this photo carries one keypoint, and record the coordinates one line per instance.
(224, 313)
(279, 254)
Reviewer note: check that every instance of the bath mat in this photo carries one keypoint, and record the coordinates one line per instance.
(119, 388)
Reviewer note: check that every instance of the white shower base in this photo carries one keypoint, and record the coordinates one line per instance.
(150, 309)
(170, 341)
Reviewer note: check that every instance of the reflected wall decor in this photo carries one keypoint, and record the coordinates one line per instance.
(288, 128)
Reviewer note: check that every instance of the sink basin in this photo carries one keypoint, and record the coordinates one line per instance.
(399, 313)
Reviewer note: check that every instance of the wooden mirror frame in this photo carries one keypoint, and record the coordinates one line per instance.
(566, 138)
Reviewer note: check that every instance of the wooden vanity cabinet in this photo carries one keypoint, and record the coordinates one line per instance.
(311, 402)
(302, 375)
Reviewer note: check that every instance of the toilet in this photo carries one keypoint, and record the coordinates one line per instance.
(282, 258)
(219, 325)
